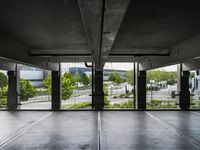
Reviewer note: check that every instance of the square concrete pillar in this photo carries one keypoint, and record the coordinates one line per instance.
(99, 93)
(140, 90)
(183, 88)
(13, 89)
(56, 90)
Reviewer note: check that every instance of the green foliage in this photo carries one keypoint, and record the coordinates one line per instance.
(3, 102)
(68, 85)
(158, 75)
(78, 105)
(129, 77)
(122, 95)
(161, 104)
(90, 78)
(115, 77)
(26, 90)
(3, 91)
(77, 77)
(3, 80)
(84, 79)
(83, 87)
(105, 90)
(47, 83)
(128, 104)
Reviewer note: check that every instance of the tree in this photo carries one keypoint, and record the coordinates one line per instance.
(47, 83)
(129, 77)
(77, 77)
(3, 80)
(115, 77)
(84, 79)
(158, 75)
(68, 85)
(26, 90)
(90, 78)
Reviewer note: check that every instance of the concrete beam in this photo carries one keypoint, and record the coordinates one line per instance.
(15, 52)
(64, 58)
(6, 65)
(92, 13)
(140, 51)
(180, 52)
(192, 64)
(113, 16)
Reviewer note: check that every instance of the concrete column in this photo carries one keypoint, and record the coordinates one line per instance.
(56, 90)
(183, 88)
(140, 90)
(13, 89)
(99, 94)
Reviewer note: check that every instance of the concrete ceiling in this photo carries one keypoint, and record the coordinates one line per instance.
(152, 32)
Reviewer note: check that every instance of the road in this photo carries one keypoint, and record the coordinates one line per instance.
(114, 92)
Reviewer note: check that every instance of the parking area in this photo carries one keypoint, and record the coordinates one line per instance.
(99, 130)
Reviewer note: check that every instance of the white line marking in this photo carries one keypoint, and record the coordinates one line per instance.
(195, 143)
(22, 131)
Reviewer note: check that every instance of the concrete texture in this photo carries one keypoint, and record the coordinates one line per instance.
(100, 130)
(99, 31)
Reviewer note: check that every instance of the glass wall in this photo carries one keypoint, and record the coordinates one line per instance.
(162, 88)
(194, 88)
(118, 86)
(34, 88)
(3, 89)
(76, 86)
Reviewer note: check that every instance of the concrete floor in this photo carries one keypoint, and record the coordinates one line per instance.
(123, 130)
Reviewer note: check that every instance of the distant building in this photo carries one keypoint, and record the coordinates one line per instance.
(36, 75)
(88, 71)
(32, 74)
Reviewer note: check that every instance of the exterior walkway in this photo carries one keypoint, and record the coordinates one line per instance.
(23, 130)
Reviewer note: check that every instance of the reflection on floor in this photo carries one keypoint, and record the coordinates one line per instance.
(100, 130)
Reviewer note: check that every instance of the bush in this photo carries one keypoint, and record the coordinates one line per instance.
(105, 90)
(3, 102)
(122, 95)
(26, 90)
(3, 80)
(128, 104)
(78, 105)
(161, 104)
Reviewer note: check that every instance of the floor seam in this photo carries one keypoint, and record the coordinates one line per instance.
(194, 143)
(99, 130)
(5, 142)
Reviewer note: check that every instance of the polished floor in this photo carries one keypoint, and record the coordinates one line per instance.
(115, 130)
